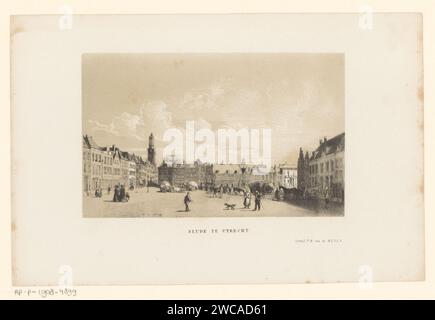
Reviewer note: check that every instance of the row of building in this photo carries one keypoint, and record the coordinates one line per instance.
(317, 174)
(321, 173)
(105, 167)
(231, 175)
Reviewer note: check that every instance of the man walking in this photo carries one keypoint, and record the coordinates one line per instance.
(257, 201)
(187, 201)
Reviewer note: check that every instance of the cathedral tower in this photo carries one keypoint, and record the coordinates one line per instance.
(151, 151)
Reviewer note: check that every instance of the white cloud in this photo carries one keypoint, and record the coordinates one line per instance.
(153, 117)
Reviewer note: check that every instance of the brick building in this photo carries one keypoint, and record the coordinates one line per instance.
(105, 167)
(325, 174)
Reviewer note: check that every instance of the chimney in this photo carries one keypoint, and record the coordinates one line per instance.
(324, 139)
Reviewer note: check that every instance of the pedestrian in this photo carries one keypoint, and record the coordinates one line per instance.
(257, 201)
(108, 189)
(247, 200)
(122, 193)
(187, 201)
(116, 194)
(277, 194)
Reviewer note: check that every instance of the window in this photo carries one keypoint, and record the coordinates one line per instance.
(321, 168)
(327, 166)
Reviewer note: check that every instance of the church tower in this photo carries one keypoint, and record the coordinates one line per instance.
(151, 151)
(301, 170)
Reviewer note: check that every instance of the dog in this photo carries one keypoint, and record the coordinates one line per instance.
(229, 206)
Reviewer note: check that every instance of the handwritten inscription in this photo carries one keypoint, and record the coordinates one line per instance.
(46, 293)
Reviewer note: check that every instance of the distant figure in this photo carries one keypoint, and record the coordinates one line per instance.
(187, 201)
(116, 194)
(122, 193)
(108, 190)
(127, 196)
(247, 200)
(257, 201)
(277, 194)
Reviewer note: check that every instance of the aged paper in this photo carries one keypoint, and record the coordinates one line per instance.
(104, 192)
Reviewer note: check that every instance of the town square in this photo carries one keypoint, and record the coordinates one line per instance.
(210, 135)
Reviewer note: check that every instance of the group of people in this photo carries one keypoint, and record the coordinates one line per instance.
(279, 194)
(219, 190)
(98, 193)
(120, 195)
(247, 200)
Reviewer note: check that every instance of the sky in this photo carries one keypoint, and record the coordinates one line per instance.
(300, 97)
